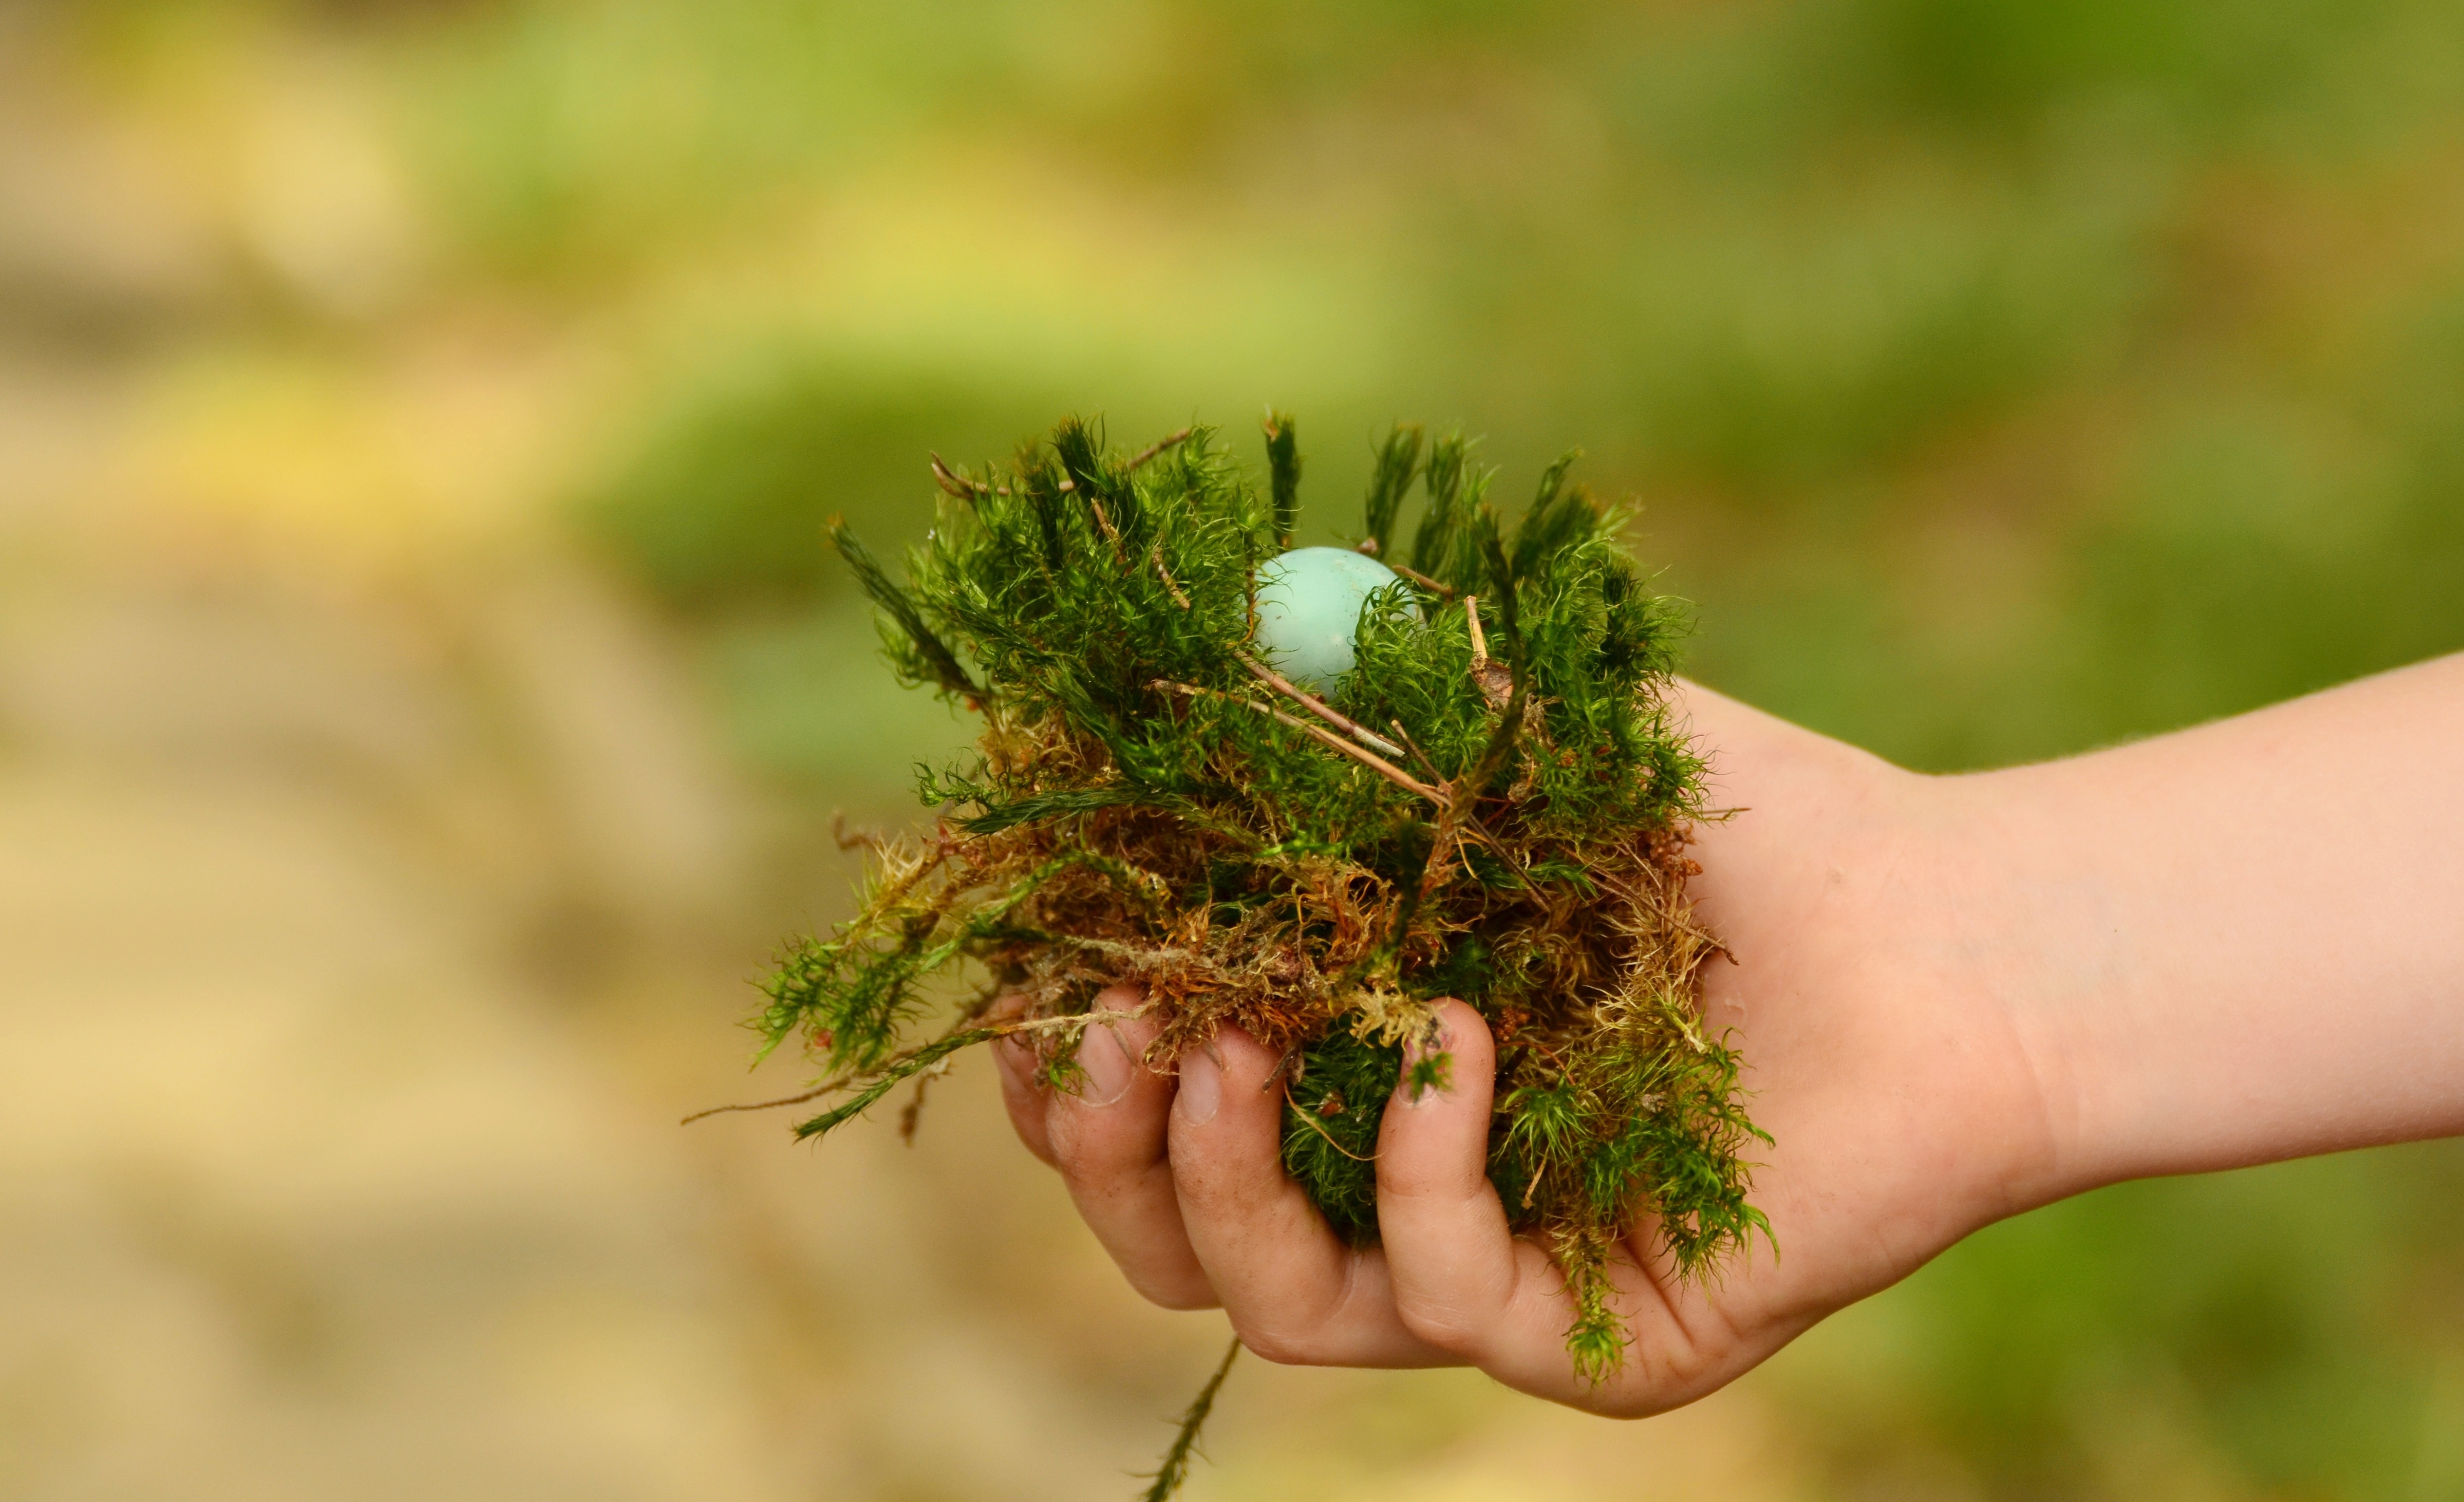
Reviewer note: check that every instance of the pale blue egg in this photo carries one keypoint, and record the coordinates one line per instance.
(1309, 606)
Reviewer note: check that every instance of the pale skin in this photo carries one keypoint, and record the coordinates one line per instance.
(1959, 998)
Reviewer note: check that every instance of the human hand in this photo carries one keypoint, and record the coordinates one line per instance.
(1956, 998)
(1904, 1108)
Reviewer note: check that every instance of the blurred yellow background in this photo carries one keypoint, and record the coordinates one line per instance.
(423, 695)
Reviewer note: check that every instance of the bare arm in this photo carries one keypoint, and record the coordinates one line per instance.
(2239, 943)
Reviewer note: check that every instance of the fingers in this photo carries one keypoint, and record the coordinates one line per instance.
(1457, 1272)
(1186, 1189)
(1463, 1283)
(1294, 1291)
(1107, 1137)
(1023, 1093)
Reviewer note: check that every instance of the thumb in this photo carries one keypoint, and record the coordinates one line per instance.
(1453, 1261)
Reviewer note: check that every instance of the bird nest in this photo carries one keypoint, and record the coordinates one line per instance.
(1494, 804)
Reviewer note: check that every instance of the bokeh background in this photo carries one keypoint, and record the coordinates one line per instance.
(423, 695)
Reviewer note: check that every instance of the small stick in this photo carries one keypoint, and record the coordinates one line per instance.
(814, 1093)
(865, 839)
(1170, 440)
(1155, 553)
(1495, 681)
(1366, 758)
(1469, 808)
(913, 1115)
(1315, 705)
(1308, 1120)
(951, 483)
(1175, 1469)
(1441, 591)
(1291, 1060)
(1108, 1019)
(1429, 766)
(1418, 755)
(1112, 534)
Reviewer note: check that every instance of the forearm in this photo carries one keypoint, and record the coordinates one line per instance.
(2234, 944)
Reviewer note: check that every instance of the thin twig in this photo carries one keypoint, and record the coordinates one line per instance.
(1175, 1469)
(865, 839)
(814, 1093)
(1464, 806)
(907, 1067)
(1156, 552)
(1292, 1061)
(1111, 533)
(913, 1113)
(1366, 758)
(1106, 1019)
(1169, 440)
(1441, 591)
(1312, 1124)
(1315, 705)
(1494, 680)
(953, 484)
(1418, 755)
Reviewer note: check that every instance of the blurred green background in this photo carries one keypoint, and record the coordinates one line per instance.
(422, 695)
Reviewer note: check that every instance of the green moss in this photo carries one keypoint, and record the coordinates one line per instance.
(1493, 808)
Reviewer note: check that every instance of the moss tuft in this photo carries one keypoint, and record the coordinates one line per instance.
(1493, 805)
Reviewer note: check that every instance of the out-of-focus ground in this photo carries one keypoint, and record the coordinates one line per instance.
(378, 888)
(360, 947)
(422, 701)
(368, 916)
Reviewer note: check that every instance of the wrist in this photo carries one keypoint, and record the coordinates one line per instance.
(1995, 1089)
(1867, 993)
(2020, 945)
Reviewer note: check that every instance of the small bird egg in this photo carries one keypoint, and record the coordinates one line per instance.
(1309, 606)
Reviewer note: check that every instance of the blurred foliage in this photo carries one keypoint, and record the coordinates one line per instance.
(2284, 1332)
(722, 511)
(2001, 377)
(2133, 297)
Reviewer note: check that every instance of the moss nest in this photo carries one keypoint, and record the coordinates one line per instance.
(1494, 804)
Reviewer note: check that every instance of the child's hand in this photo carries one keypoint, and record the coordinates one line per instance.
(1900, 1110)
(1956, 998)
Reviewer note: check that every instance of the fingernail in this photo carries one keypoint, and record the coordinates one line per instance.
(1108, 1066)
(1201, 1086)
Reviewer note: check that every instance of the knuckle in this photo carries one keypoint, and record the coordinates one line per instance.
(1207, 1185)
(1408, 1180)
(1091, 1152)
(1079, 1169)
(1440, 1322)
(1668, 1378)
